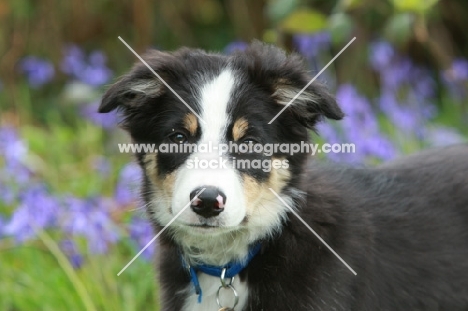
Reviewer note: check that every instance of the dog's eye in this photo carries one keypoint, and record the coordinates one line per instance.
(178, 138)
(249, 141)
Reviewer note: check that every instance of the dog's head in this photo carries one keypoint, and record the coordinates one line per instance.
(203, 100)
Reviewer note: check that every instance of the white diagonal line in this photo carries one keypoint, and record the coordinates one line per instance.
(162, 230)
(159, 77)
(316, 76)
(312, 230)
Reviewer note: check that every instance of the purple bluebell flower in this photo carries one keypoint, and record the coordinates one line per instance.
(332, 135)
(407, 90)
(396, 75)
(90, 70)
(14, 151)
(422, 83)
(101, 165)
(8, 136)
(441, 136)
(2, 225)
(458, 71)
(37, 70)
(380, 147)
(421, 104)
(7, 194)
(360, 126)
(456, 78)
(410, 116)
(310, 45)
(70, 249)
(76, 219)
(381, 54)
(17, 173)
(328, 132)
(127, 189)
(104, 232)
(95, 75)
(37, 210)
(74, 60)
(402, 116)
(105, 120)
(235, 46)
(360, 118)
(399, 74)
(142, 233)
(91, 219)
(97, 59)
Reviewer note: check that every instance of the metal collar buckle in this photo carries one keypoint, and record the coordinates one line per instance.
(225, 285)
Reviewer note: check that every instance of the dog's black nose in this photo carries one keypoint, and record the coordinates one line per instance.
(209, 203)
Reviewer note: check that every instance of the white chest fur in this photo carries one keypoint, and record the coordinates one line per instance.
(209, 285)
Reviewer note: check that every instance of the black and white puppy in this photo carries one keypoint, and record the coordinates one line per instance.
(403, 227)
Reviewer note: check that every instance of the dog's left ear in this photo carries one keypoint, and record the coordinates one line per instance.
(309, 105)
(285, 76)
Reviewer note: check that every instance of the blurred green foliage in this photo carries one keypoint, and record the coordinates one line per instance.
(431, 32)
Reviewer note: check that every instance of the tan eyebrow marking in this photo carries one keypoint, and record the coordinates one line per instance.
(240, 128)
(191, 123)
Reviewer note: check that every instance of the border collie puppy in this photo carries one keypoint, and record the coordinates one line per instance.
(234, 245)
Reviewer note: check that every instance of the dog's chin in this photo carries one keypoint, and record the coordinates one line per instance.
(211, 244)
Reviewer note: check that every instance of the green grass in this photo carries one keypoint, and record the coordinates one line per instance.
(37, 275)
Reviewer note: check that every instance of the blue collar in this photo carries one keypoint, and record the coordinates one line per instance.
(232, 269)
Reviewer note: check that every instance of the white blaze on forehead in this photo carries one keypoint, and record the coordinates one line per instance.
(214, 100)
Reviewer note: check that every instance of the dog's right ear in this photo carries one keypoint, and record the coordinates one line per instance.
(134, 88)
(131, 90)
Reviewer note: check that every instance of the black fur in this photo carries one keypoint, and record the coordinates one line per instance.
(403, 227)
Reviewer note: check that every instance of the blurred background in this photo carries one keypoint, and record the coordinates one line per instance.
(70, 217)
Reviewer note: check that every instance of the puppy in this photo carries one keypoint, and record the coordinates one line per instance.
(234, 243)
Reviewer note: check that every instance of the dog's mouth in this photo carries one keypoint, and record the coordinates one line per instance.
(208, 227)
(204, 223)
(212, 224)
(204, 226)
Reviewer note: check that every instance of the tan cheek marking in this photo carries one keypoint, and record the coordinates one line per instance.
(253, 191)
(166, 184)
(240, 128)
(191, 123)
(256, 192)
(151, 165)
(278, 177)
